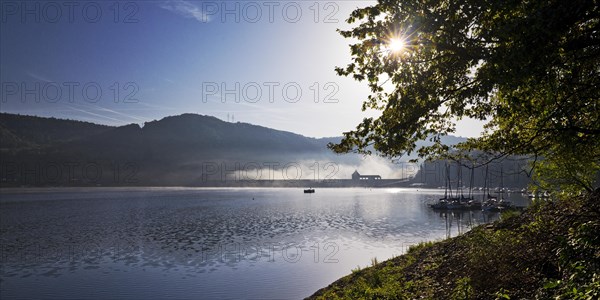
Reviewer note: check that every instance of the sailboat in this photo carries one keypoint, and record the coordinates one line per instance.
(503, 204)
(459, 201)
(497, 204)
(489, 201)
(473, 204)
(443, 202)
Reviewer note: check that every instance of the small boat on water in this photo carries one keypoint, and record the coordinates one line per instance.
(453, 204)
(494, 205)
(309, 191)
(474, 204)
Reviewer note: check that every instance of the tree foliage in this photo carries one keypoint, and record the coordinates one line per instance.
(531, 69)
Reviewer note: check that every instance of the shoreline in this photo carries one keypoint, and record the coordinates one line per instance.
(518, 256)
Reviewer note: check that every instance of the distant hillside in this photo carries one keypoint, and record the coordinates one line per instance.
(177, 150)
(188, 149)
(189, 138)
(29, 131)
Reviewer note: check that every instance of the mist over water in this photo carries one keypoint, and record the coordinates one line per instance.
(206, 243)
(321, 168)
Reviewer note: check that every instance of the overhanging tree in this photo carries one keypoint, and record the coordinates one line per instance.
(531, 69)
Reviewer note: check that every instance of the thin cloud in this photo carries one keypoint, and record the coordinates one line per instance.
(115, 121)
(38, 77)
(134, 117)
(186, 9)
(154, 106)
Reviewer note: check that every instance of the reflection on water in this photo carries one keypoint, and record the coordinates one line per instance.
(206, 243)
(458, 222)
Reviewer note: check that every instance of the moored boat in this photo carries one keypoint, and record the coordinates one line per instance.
(457, 202)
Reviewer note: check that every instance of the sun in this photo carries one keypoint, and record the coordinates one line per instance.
(396, 45)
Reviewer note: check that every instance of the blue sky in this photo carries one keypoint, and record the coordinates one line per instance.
(267, 63)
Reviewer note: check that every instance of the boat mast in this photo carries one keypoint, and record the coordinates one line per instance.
(471, 181)
(446, 179)
(459, 182)
(501, 183)
(448, 183)
(486, 189)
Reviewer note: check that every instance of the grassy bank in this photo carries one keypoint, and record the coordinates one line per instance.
(552, 250)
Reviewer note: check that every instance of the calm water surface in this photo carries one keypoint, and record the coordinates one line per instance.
(206, 243)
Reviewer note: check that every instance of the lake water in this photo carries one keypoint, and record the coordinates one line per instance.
(206, 243)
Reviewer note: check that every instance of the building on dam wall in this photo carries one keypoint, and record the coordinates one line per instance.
(358, 177)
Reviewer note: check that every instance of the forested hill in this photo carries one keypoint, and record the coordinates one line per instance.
(173, 150)
(190, 130)
(20, 131)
